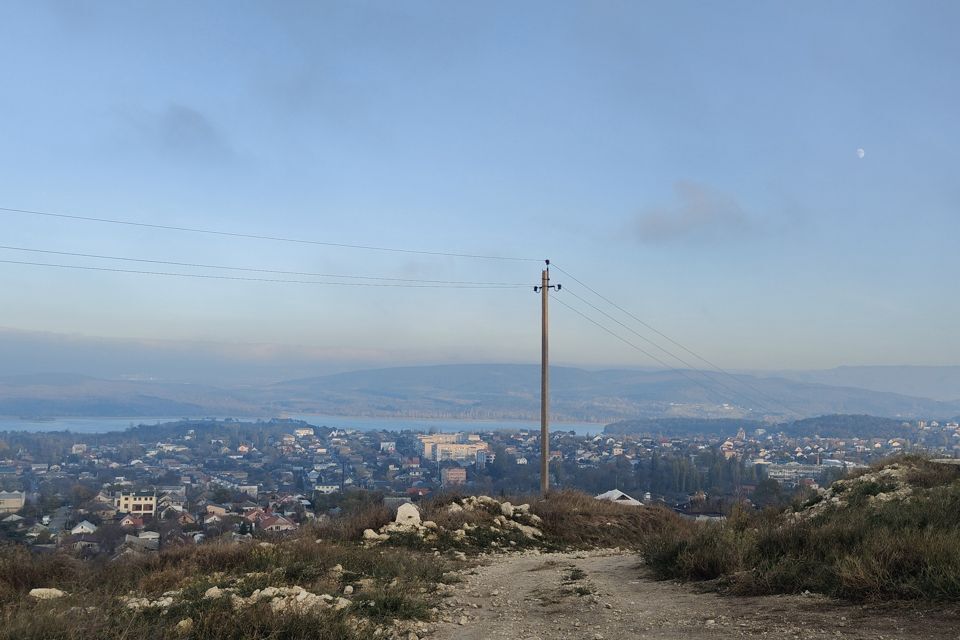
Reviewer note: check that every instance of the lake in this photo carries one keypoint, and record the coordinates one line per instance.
(105, 425)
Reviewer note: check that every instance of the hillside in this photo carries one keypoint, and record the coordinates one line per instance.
(891, 532)
(73, 395)
(827, 426)
(512, 391)
(465, 391)
(938, 383)
(451, 568)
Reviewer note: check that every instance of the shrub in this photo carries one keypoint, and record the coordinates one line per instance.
(861, 549)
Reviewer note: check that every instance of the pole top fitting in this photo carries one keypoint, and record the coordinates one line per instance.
(548, 262)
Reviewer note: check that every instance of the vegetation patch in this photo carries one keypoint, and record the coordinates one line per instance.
(893, 532)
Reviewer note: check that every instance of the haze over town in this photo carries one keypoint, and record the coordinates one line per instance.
(696, 164)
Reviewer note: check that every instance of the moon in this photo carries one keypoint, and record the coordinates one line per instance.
(861, 153)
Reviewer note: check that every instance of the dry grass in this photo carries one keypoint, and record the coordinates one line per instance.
(866, 550)
(215, 620)
(350, 527)
(399, 583)
(572, 518)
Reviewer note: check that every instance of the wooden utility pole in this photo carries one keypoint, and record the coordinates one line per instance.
(544, 290)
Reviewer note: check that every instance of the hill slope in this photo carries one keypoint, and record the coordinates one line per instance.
(499, 391)
(466, 391)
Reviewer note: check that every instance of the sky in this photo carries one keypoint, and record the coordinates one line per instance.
(696, 163)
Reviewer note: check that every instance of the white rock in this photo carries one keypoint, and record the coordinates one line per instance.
(212, 592)
(454, 508)
(348, 590)
(47, 594)
(368, 534)
(184, 627)
(408, 514)
(341, 603)
(506, 509)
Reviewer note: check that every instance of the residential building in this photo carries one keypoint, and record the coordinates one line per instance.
(11, 501)
(136, 502)
(453, 476)
(84, 527)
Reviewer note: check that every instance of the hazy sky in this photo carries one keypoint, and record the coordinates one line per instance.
(696, 162)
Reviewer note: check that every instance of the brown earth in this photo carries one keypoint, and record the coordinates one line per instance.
(606, 595)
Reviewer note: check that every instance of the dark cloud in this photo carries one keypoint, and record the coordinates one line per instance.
(699, 213)
(182, 129)
(182, 132)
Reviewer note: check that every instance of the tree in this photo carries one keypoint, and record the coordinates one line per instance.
(768, 493)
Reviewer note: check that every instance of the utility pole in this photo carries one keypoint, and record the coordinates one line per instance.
(544, 290)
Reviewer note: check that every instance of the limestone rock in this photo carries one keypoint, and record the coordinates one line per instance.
(47, 594)
(408, 514)
(184, 627)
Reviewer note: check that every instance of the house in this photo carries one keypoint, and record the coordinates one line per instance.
(85, 543)
(104, 511)
(327, 489)
(185, 518)
(12, 501)
(170, 512)
(84, 527)
(615, 495)
(136, 502)
(453, 476)
(255, 515)
(217, 509)
(135, 543)
(132, 522)
(276, 524)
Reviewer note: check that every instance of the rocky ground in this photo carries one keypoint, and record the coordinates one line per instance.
(603, 595)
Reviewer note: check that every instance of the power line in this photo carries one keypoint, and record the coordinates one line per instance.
(696, 355)
(254, 236)
(257, 270)
(669, 353)
(634, 346)
(270, 280)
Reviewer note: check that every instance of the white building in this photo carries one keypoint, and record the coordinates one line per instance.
(84, 527)
(12, 501)
(615, 495)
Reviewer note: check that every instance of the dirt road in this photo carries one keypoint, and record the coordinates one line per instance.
(604, 596)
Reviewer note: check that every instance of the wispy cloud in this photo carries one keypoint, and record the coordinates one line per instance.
(699, 213)
(182, 131)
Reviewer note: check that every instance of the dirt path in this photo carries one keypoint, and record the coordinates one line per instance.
(602, 595)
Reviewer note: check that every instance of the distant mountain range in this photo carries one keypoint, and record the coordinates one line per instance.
(469, 391)
(937, 383)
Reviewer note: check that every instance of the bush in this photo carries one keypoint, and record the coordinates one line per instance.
(575, 519)
(862, 549)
